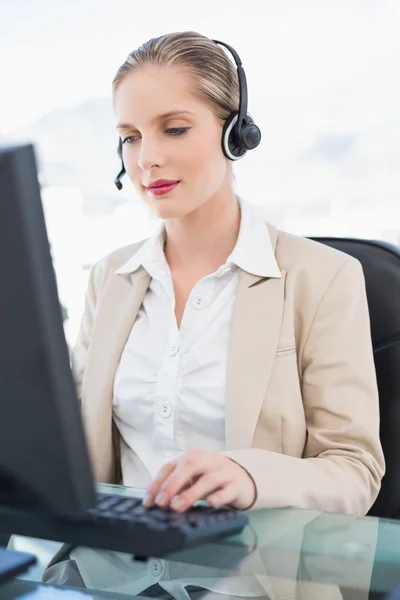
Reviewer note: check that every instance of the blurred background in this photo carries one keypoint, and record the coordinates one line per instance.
(323, 78)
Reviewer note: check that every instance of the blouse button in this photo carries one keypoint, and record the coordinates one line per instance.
(174, 349)
(165, 409)
(198, 302)
(156, 568)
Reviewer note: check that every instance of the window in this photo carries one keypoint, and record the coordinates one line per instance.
(323, 87)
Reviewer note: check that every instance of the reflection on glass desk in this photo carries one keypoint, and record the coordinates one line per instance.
(283, 553)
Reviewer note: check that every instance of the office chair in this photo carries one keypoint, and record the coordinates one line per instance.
(381, 264)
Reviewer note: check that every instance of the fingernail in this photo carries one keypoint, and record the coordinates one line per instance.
(147, 500)
(177, 503)
(161, 499)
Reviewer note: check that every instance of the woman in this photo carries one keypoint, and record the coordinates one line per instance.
(234, 360)
(220, 359)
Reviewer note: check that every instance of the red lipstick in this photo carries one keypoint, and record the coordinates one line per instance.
(162, 186)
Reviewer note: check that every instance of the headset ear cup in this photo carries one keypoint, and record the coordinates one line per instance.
(225, 134)
(230, 145)
(250, 135)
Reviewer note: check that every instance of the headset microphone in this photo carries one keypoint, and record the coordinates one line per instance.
(117, 180)
(122, 172)
(239, 133)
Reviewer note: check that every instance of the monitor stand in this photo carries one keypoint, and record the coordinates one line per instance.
(14, 563)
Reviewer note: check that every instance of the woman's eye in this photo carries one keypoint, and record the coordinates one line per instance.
(130, 139)
(177, 130)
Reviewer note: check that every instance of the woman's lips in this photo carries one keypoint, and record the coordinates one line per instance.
(165, 188)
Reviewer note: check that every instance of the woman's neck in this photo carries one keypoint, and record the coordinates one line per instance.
(204, 238)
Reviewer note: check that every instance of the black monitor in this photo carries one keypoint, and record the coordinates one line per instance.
(44, 461)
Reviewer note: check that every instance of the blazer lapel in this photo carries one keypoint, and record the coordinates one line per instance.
(117, 311)
(255, 336)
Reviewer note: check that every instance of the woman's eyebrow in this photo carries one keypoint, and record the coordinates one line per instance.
(162, 117)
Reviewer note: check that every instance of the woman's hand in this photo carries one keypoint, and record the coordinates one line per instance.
(200, 475)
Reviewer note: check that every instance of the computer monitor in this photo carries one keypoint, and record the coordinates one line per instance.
(44, 461)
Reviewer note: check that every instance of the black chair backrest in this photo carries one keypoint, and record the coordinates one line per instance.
(381, 265)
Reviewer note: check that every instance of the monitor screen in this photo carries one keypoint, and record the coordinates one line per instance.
(44, 460)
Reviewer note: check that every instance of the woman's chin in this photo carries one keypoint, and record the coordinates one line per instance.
(167, 208)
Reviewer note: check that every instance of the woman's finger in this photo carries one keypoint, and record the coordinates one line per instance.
(153, 489)
(209, 482)
(190, 466)
(223, 497)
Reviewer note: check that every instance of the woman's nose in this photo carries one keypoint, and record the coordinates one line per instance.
(150, 155)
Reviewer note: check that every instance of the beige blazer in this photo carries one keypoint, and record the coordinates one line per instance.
(302, 413)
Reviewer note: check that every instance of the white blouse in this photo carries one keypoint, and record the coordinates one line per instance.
(169, 388)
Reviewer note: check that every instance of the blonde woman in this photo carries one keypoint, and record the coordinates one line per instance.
(221, 359)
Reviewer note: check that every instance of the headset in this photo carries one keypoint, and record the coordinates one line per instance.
(239, 133)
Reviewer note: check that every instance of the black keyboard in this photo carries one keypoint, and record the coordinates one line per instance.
(161, 530)
(123, 524)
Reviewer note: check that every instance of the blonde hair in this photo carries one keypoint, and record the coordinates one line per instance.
(214, 74)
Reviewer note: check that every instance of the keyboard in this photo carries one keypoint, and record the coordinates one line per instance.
(161, 530)
(123, 524)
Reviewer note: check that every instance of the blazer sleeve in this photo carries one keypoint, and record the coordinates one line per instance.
(343, 463)
(80, 348)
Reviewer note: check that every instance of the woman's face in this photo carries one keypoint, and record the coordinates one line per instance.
(168, 134)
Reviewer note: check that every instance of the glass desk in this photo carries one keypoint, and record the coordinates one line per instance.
(285, 554)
